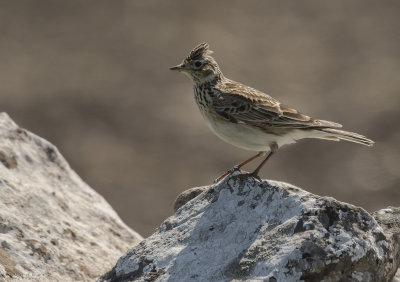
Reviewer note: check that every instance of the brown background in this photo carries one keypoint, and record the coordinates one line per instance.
(93, 78)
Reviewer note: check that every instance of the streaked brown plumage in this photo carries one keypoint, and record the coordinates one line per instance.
(248, 118)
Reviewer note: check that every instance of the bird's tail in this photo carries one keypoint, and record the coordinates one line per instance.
(348, 136)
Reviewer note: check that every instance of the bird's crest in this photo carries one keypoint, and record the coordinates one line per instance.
(199, 51)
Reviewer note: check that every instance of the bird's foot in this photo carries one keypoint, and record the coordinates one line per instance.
(220, 177)
(255, 175)
(232, 170)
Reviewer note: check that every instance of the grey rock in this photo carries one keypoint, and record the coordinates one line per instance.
(244, 230)
(389, 219)
(53, 226)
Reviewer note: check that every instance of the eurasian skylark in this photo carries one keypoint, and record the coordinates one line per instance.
(248, 118)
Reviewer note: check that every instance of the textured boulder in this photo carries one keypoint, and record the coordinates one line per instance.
(53, 227)
(241, 229)
(389, 219)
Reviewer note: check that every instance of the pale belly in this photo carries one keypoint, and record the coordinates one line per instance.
(244, 136)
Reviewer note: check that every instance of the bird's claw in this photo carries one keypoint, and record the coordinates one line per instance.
(255, 176)
(233, 169)
(216, 180)
(220, 177)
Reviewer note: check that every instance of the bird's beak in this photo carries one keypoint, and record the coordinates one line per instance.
(180, 67)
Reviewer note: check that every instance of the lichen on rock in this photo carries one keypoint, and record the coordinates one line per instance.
(242, 229)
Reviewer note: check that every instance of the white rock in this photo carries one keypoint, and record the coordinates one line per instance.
(244, 230)
(53, 227)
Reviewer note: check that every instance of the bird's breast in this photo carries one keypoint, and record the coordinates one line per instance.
(203, 96)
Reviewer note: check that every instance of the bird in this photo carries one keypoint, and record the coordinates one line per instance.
(248, 118)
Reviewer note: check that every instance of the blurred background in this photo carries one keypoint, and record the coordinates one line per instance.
(92, 77)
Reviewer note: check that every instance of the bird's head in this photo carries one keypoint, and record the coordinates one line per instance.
(199, 66)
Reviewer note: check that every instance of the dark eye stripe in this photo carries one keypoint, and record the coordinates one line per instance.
(197, 64)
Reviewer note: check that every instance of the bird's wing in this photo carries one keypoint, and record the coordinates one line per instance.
(242, 104)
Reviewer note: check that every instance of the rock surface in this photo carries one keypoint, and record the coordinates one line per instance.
(241, 229)
(389, 219)
(53, 227)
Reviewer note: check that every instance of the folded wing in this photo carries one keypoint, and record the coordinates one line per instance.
(239, 103)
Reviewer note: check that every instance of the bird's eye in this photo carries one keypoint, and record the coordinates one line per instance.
(197, 64)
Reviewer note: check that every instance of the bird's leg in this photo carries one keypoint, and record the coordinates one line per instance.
(257, 170)
(238, 166)
(254, 174)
